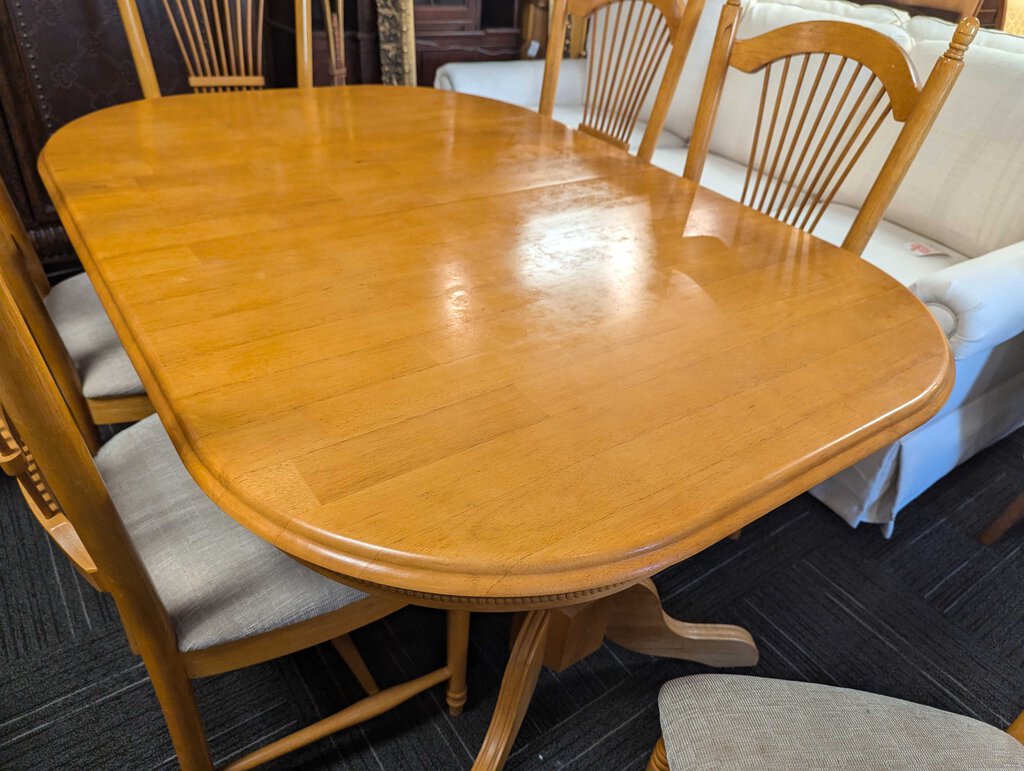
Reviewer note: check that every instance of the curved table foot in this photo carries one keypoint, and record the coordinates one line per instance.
(516, 691)
(558, 638)
(637, 621)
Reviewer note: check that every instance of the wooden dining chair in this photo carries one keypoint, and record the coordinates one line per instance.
(827, 87)
(221, 43)
(197, 593)
(627, 43)
(743, 722)
(74, 333)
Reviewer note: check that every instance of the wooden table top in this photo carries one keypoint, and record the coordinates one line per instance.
(443, 344)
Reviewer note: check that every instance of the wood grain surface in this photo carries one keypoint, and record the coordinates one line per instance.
(448, 345)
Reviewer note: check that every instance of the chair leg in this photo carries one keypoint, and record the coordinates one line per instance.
(659, 758)
(1016, 729)
(347, 648)
(1013, 514)
(181, 713)
(458, 650)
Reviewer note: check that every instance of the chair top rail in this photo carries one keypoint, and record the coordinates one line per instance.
(876, 52)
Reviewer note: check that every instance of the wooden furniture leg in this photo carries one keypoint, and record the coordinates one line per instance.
(177, 701)
(123, 409)
(458, 648)
(354, 661)
(513, 630)
(659, 758)
(516, 690)
(636, 621)
(1013, 514)
(1016, 729)
(559, 637)
(574, 633)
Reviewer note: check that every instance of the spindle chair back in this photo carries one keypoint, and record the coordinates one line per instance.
(827, 89)
(628, 42)
(41, 446)
(221, 43)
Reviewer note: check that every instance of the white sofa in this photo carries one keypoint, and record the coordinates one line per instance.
(963, 201)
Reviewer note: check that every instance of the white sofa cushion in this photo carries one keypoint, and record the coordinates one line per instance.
(516, 82)
(683, 111)
(890, 247)
(760, 17)
(922, 28)
(966, 186)
(519, 83)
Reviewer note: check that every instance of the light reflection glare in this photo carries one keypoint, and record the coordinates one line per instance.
(589, 269)
(456, 294)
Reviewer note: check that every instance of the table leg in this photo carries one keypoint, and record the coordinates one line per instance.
(1013, 514)
(516, 691)
(637, 621)
(560, 637)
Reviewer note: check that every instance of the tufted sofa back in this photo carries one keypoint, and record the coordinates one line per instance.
(966, 187)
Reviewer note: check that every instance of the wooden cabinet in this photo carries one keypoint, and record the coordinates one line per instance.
(463, 30)
(991, 12)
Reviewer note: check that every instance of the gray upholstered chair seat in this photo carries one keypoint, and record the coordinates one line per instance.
(218, 581)
(85, 328)
(739, 722)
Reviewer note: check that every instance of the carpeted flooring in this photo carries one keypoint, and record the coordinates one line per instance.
(929, 616)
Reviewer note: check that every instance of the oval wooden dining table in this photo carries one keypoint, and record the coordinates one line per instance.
(440, 347)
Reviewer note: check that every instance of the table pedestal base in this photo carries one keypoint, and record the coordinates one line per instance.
(558, 638)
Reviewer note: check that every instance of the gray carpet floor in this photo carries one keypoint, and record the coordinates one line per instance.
(929, 616)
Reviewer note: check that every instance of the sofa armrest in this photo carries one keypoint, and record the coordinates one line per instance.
(517, 82)
(979, 303)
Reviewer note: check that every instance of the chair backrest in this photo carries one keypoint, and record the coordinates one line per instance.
(221, 43)
(26, 281)
(12, 226)
(827, 88)
(40, 445)
(626, 46)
